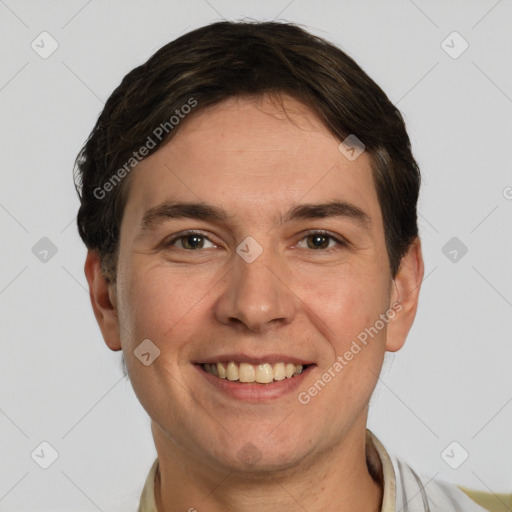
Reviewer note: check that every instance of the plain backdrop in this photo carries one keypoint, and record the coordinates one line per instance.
(61, 385)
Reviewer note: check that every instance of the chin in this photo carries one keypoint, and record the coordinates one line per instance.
(253, 456)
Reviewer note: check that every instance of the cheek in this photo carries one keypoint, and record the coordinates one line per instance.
(159, 308)
(348, 305)
(159, 304)
(347, 301)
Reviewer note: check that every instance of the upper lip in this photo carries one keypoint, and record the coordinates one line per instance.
(260, 359)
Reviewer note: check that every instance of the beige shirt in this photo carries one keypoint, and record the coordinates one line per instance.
(404, 489)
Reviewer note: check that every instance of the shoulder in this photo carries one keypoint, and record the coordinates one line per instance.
(418, 493)
(490, 501)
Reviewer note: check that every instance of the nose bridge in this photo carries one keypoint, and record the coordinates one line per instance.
(256, 294)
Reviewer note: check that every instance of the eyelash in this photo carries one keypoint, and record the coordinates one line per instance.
(339, 242)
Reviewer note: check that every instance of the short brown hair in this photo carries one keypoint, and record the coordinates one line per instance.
(229, 59)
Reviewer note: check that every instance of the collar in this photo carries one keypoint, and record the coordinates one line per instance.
(378, 459)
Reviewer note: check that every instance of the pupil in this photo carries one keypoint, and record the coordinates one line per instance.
(196, 241)
(318, 240)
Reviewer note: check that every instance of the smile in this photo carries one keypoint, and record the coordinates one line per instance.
(250, 373)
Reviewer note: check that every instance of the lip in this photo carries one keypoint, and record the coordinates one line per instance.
(255, 392)
(261, 359)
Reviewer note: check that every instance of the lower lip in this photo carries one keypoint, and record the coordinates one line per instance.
(255, 392)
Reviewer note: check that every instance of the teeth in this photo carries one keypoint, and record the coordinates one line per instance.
(221, 371)
(264, 373)
(279, 373)
(231, 372)
(261, 373)
(246, 373)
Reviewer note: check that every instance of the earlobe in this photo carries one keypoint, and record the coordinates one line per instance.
(103, 300)
(405, 295)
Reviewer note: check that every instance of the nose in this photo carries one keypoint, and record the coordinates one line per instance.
(256, 294)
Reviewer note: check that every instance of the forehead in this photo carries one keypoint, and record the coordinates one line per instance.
(252, 156)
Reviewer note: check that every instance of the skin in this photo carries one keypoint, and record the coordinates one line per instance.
(255, 161)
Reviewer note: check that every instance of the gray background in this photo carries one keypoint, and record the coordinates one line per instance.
(61, 384)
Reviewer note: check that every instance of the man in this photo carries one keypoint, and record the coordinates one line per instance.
(248, 199)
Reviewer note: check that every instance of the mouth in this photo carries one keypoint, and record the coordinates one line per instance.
(255, 379)
(247, 373)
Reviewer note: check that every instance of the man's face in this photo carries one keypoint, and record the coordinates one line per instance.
(211, 297)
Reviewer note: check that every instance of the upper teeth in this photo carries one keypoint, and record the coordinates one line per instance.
(245, 372)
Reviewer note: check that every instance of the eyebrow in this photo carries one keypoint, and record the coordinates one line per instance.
(208, 212)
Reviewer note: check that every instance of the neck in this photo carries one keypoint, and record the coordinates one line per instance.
(346, 477)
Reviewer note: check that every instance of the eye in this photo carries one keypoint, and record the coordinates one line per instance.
(319, 240)
(316, 240)
(191, 241)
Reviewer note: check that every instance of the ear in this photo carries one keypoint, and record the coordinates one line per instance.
(103, 300)
(404, 296)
